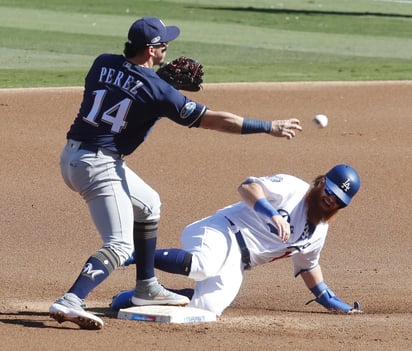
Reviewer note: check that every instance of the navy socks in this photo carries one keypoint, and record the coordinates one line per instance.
(176, 261)
(97, 268)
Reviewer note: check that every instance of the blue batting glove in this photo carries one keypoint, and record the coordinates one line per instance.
(325, 296)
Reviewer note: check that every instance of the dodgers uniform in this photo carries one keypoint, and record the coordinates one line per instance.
(217, 264)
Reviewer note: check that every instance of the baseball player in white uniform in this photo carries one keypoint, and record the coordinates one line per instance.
(279, 216)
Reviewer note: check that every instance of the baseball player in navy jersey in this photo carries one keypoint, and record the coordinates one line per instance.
(123, 99)
(279, 216)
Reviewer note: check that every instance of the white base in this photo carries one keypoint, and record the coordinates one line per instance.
(166, 314)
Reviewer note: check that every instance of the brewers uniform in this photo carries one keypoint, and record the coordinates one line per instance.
(122, 102)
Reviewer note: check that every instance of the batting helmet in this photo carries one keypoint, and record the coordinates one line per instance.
(344, 182)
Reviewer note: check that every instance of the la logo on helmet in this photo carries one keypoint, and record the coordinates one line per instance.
(346, 185)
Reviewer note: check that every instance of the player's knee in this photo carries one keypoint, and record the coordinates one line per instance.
(209, 304)
(149, 210)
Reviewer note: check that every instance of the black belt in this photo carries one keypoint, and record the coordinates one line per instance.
(88, 147)
(244, 251)
(95, 149)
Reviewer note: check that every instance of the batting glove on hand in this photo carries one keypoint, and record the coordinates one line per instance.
(326, 298)
(356, 308)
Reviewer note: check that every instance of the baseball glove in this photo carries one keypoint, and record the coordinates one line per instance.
(183, 73)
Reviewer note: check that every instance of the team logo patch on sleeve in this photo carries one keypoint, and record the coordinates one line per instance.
(187, 109)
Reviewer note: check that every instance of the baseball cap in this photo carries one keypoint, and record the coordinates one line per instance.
(148, 31)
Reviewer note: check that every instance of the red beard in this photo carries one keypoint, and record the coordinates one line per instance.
(321, 207)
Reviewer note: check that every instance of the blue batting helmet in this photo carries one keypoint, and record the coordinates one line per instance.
(344, 182)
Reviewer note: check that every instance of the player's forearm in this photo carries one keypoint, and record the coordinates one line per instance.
(222, 121)
(231, 123)
(312, 277)
(323, 294)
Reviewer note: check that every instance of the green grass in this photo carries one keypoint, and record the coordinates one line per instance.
(53, 42)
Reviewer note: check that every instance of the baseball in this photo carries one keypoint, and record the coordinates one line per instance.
(321, 121)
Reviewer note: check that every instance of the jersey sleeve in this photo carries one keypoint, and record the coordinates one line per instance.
(178, 107)
(281, 190)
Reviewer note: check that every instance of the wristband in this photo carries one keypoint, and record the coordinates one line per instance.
(251, 126)
(264, 207)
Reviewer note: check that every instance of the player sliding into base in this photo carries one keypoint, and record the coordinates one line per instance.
(279, 216)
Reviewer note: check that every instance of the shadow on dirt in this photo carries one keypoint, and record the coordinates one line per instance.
(34, 319)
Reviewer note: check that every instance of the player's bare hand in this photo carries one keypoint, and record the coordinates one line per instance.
(282, 226)
(286, 128)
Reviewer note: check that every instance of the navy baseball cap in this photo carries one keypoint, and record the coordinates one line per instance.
(148, 31)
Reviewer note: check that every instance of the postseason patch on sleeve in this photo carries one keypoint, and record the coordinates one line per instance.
(187, 110)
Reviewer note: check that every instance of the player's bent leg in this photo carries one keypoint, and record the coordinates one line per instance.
(216, 293)
(146, 209)
(145, 200)
(148, 291)
(209, 242)
(213, 296)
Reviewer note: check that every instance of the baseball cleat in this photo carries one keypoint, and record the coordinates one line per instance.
(69, 309)
(156, 294)
(122, 300)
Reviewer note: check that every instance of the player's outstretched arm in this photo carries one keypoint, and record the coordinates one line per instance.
(231, 123)
(324, 295)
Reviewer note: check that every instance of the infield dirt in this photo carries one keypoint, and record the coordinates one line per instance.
(47, 233)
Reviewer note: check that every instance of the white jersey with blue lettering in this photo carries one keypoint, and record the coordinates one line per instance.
(217, 265)
(287, 194)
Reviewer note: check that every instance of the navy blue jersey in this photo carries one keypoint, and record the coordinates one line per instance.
(122, 102)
